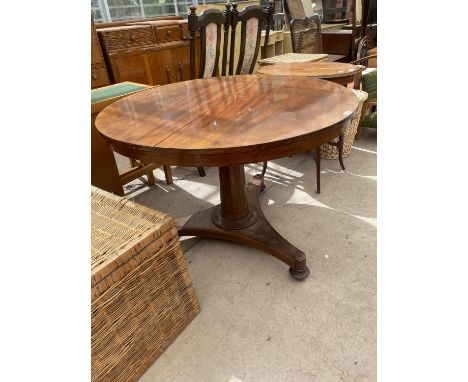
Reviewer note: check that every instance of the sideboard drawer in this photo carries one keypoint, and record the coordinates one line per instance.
(99, 77)
(125, 37)
(168, 33)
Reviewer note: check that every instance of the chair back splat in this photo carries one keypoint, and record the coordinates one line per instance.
(306, 35)
(252, 18)
(209, 25)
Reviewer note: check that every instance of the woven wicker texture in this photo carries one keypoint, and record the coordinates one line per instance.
(294, 57)
(142, 295)
(306, 35)
(331, 152)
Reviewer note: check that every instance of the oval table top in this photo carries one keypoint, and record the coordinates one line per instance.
(223, 121)
(321, 69)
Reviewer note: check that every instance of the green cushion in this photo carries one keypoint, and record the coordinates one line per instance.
(369, 83)
(370, 120)
(114, 91)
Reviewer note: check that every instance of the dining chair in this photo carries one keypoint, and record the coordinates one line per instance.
(105, 173)
(306, 42)
(208, 26)
(306, 37)
(252, 19)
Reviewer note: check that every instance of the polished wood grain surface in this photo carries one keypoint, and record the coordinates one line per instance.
(227, 120)
(321, 69)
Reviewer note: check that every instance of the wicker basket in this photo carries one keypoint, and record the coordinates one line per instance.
(141, 292)
(331, 152)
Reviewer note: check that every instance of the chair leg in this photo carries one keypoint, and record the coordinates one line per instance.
(201, 171)
(151, 178)
(340, 151)
(264, 169)
(262, 175)
(168, 174)
(133, 162)
(317, 167)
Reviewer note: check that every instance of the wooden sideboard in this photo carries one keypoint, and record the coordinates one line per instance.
(148, 52)
(99, 76)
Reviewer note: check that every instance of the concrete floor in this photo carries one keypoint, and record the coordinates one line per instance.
(257, 323)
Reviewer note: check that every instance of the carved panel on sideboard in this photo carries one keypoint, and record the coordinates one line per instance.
(149, 52)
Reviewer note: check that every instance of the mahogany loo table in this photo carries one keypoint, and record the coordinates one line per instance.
(227, 122)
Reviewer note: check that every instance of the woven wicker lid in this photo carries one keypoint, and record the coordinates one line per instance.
(120, 229)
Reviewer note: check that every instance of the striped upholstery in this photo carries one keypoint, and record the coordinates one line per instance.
(251, 33)
(210, 54)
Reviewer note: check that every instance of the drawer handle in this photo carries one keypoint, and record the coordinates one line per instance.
(95, 76)
(169, 32)
(133, 38)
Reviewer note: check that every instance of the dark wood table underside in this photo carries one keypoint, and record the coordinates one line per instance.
(227, 122)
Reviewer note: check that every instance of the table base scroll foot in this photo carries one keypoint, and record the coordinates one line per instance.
(253, 230)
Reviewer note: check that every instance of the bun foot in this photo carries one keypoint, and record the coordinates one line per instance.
(299, 274)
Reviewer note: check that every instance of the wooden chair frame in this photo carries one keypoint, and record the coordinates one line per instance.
(104, 171)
